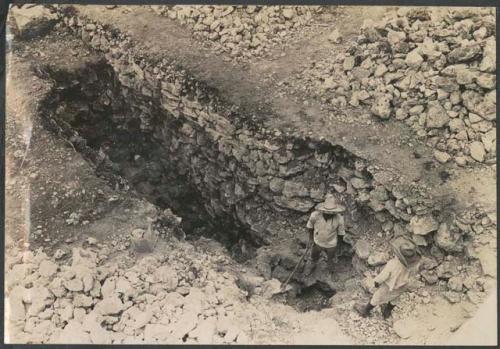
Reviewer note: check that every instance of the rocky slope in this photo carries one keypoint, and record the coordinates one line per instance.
(433, 72)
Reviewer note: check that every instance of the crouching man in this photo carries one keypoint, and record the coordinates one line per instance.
(325, 224)
(394, 279)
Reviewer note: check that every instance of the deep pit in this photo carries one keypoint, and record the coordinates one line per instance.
(151, 126)
(90, 109)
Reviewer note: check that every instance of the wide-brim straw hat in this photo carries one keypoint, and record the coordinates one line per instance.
(330, 205)
(405, 249)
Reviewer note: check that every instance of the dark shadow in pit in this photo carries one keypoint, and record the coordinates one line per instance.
(89, 108)
(312, 292)
(315, 297)
(132, 144)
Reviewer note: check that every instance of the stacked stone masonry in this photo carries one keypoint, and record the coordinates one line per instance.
(259, 178)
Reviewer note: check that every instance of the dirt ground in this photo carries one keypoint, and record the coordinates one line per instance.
(57, 206)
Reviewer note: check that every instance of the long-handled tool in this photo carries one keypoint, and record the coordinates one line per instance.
(283, 286)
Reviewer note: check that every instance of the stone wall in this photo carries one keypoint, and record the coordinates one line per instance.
(269, 182)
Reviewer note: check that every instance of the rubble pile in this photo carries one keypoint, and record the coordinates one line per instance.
(437, 75)
(173, 298)
(242, 31)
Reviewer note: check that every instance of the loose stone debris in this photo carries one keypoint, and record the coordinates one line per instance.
(243, 31)
(435, 74)
(212, 172)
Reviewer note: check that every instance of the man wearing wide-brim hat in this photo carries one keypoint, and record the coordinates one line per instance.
(394, 278)
(325, 224)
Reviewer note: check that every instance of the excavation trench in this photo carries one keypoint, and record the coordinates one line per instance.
(224, 195)
(88, 109)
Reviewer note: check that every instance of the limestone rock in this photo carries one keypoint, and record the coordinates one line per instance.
(379, 71)
(47, 268)
(143, 318)
(446, 240)
(394, 37)
(109, 306)
(349, 63)
(446, 270)
(296, 204)
(359, 183)
(377, 258)
(59, 254)
(452, 297)
(72, 333)
(288, 13)
(81, 300)
(41, 297)
(156, 332)
(124, 287)
(465, 76)
(187, 323)
(441, 156)
(205, 331)
(382, 107)
(488, 140)
(335, 37)
(271, 288)
(477, 151)
(456, 284)
(57, 287)
(293, 189)
(436, 115)
(423, 225)
(99, 335)
(430, 276)
(167, 276)
(362, 249)
(464, 53)
(17, 311)
(108, 288)
(456, 125)
(488, 262)
(414, 59)
(74, 285)
(487, 81)
(141, 241)
(17, 275)
(276, 185)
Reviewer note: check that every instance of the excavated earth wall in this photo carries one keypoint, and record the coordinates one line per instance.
(256, 181)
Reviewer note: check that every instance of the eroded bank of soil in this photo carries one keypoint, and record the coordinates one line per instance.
(186, 297)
